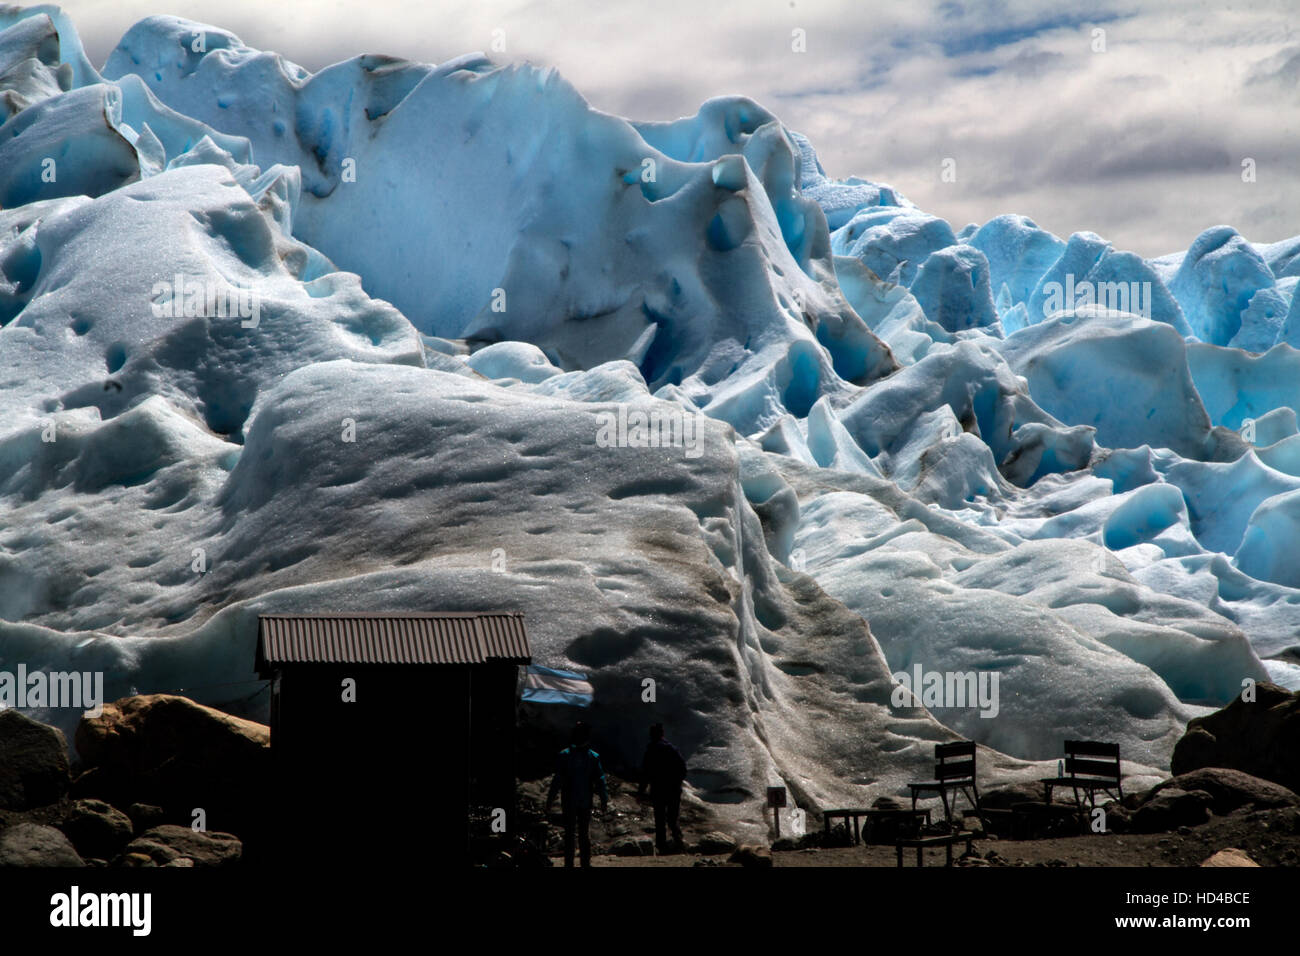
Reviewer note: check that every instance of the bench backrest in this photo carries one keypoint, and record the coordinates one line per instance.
(955, 761)
(1087, 758)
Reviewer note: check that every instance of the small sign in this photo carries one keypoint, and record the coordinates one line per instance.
(776, 797)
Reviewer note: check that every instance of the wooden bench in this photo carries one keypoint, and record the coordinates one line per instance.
(954, 771)
(1089, 767)
(945, 840)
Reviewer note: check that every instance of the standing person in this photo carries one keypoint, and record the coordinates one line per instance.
(577, 774)
(663, 770)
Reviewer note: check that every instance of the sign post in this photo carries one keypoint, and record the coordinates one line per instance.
(776, 800)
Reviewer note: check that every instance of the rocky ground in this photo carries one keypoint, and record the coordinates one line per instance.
(159, 780)
(1182, 822)
(1268, 838)
(156, 780)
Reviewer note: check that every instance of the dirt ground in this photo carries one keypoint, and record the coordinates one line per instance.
(1269, 837)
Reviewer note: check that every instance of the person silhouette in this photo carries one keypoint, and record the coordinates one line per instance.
(578, 774)
(662, 770)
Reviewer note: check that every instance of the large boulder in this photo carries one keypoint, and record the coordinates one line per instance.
(1230, 856)
(1259, 737)
(1004, 798)
(33, 762)
(30, 844)
(172, 753)
(145, 816)
(1232, 789)
(1171, 809)
(150, 729)
(167, 844)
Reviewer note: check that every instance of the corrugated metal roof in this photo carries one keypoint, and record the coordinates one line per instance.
(448, 637)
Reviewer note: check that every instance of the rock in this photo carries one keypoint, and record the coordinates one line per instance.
(756, 856)
(1261, 738)
(97, 829)
(716, 842)
(1170, 809)
(1118, 817)
(1232, 789)
(887, 803)
(33, 762)
(632, 846)
(1133, 799)
(145, 816)
(626, 847)
(1230, 857)
(1285, 821)
(169, 842)
(30, 844)
(170, 752)
(144, 731)
(1004, 798)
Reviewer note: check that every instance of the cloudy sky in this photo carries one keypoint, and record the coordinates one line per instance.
(1131, 119)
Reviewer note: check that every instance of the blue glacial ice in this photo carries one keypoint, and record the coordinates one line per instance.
(902, 444)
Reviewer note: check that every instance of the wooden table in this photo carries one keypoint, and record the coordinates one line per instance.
(853, 830)
(945, 840)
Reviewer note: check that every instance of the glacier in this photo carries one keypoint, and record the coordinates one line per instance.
(922, 446)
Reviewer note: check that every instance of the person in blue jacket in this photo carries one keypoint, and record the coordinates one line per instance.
(578, 775)
(663, 770)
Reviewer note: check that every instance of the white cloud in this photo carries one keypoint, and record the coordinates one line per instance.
(1141, 143)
